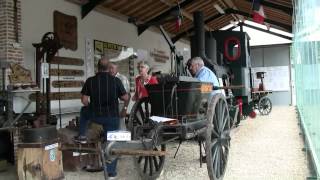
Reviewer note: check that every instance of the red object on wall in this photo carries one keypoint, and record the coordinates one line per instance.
(227, 42)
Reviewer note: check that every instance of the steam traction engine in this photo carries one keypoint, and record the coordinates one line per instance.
(186, 101)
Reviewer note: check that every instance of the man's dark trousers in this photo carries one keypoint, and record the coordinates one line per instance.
(108, 123)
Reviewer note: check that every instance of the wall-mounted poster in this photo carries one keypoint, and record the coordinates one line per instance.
(121, 55)
(114, 52)
(276, 78)
(159, 56)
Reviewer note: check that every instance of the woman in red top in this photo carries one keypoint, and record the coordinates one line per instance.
(143, 79)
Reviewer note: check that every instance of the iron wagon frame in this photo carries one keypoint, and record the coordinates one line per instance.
(209, 123)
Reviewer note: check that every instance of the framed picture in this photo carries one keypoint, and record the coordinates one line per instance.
(65, 27)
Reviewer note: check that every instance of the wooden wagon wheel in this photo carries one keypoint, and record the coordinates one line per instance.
(149, 167)
(217, 137)
(139, 114)
(265, 106)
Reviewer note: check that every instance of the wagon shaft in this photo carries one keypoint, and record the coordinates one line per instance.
(138, 152)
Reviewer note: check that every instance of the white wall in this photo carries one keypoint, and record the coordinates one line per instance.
(37, 19)
(275, 55)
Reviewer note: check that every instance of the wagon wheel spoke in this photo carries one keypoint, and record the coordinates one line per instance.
(216, 160)
(215, 123)
(150, 167)
(214, 133)
(225, 120)
(146, 109)
(142, 115)
(226, 145)
(139, 114)
(145, 164)
(218, 116)
(214, 141)
(155, 162)
(139, 118)
(224, 157)
(223, 117)
(214, 150)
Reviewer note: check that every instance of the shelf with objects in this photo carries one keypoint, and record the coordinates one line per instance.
(20, 84)
(260, 97)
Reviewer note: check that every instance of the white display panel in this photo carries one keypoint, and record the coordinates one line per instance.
(276, 78)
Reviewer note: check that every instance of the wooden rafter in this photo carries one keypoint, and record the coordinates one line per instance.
(89, 6)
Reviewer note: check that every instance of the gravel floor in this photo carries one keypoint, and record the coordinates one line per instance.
(264, 148)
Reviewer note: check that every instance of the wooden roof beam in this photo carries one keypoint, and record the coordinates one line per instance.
(230, 4)
(190, 30)
(269, 4)
(266, 31)
(89, 6)
(184, 13)
(143, 27)
(285, 26)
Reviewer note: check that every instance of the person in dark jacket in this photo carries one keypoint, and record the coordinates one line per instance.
(100, 95)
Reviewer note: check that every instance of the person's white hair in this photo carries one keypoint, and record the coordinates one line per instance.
(197, 60)
(143, 63)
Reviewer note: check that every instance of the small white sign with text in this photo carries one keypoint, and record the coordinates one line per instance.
(119, 135)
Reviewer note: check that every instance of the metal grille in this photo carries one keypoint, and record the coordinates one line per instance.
(306, 59)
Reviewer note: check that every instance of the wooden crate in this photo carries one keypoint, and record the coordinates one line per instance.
(38, 161)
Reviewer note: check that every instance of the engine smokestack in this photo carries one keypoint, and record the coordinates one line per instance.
(198, 39)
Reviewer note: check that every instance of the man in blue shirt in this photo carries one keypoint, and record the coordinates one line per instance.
(198, 70)
(202, 73)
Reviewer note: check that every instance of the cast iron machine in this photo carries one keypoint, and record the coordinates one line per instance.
(260, 98)
(187, 102)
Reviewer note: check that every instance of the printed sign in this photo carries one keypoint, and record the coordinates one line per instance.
(52, 154)
(119, 136)
(51, 146)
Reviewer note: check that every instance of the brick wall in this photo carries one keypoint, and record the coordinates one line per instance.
(10, 35)
(10, 41)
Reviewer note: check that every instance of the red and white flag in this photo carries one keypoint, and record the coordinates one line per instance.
(258, 12)
(178, 23)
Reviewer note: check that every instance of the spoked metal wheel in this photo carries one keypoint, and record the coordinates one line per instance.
(149, 167)
(265, 106)
(217, 137)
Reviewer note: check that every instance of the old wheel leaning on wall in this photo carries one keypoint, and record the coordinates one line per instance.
(217, 137)
(265, 106)
(149, 167)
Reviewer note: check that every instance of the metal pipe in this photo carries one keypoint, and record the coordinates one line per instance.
(198, 40)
